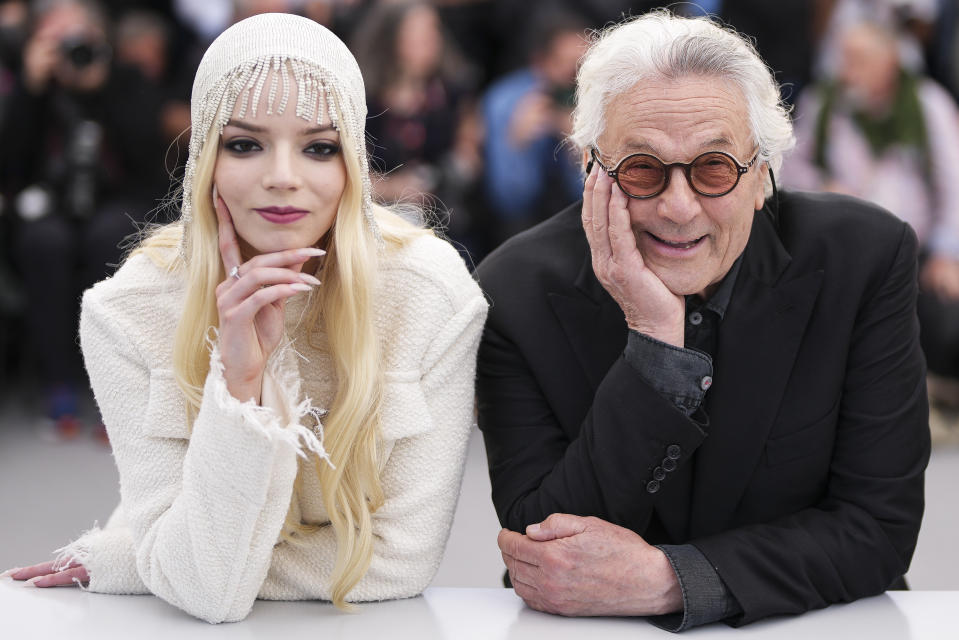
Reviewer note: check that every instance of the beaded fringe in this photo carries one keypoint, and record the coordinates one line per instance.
(317, 96)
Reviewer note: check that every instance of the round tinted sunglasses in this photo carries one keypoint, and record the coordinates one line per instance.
(641, 175)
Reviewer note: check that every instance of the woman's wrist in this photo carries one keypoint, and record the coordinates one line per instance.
(244, 390)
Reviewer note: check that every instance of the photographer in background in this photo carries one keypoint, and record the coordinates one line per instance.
(82, 159)
(529, 175)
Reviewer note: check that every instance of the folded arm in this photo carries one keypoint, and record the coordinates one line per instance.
(203, 513)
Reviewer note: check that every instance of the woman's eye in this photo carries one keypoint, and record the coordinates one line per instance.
(323, 149)
(241, 146)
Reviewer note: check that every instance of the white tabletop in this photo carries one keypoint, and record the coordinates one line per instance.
(446, 613)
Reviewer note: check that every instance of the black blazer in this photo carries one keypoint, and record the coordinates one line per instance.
(805, 485)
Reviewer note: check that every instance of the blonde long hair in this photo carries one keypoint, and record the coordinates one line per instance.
(351, 486)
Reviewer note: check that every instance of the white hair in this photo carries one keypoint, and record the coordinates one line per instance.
(661, 45)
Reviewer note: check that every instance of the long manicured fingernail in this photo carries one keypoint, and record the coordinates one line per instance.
(10, 572)
(308, 279)
(298, 286)
(32, 582)
(312, 251)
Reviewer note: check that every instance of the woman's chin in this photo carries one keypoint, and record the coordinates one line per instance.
(277, 245)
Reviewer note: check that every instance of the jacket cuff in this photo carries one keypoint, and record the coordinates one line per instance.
(282, 415)
(107, 555)
(705, 597)
(680, 375)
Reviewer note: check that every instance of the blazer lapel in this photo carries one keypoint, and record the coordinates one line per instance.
(593, 323)
(758, 342)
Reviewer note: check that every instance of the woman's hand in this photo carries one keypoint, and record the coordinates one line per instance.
(47, 574)
(250, 304)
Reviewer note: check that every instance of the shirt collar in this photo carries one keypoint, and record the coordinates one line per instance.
(719, 301)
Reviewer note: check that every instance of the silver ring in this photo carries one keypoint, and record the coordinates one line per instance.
(235, 272)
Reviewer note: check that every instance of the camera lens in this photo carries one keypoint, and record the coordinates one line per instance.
(79, 53)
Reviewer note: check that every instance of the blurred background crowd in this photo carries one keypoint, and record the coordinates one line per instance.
(469, 104)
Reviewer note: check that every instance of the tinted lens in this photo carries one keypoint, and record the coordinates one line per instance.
(714, 173)
(641, 175)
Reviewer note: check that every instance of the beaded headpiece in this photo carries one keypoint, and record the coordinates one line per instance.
(237, 66)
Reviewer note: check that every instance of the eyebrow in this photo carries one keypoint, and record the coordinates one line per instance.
(252, 128)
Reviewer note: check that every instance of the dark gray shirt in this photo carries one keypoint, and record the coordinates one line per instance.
(683, 376)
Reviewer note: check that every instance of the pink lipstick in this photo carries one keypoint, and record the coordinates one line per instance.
(281, 215)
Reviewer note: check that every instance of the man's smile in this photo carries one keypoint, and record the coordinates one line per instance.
(677, 243)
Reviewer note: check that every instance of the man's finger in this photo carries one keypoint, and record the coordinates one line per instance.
(519, 547)
(226, 233)
(600, 217)
(622, 242)
(587, 212)
(530, 595)
(557, 525)
(524, 573)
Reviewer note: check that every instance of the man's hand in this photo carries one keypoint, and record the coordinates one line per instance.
(576, 566)
(649, 306)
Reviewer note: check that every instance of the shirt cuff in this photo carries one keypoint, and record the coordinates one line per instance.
(705, 597)
(681, 375)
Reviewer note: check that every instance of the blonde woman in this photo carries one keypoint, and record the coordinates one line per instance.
(286, 374)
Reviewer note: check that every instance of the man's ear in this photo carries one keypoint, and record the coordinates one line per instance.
(761, 186)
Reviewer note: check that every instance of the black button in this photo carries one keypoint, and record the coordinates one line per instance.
(652, 486)
(669, 464)
(673, 451)
(695, 317)
(658, 473)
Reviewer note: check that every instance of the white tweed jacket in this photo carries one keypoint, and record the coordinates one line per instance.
(201, 510)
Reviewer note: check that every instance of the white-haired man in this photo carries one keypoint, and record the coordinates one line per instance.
(701, 399)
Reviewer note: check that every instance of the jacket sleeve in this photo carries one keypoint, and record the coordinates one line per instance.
(858, 539)
(203, 513)
(537, 468)
(428, 414)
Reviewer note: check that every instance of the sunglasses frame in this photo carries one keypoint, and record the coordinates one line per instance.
(687, 168)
